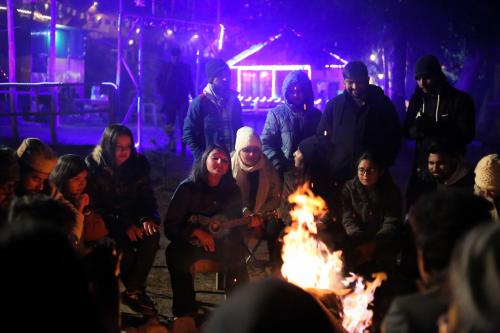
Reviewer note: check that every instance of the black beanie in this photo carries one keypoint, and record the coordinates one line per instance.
(428, 66)
(355, 70)
(214, 67)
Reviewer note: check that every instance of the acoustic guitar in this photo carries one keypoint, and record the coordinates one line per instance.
(219, 226)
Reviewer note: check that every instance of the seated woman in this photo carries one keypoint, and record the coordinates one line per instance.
(70, 177)
(259, 183)
(372, 212)
(121, 192)
(210, 190)
(311, 164)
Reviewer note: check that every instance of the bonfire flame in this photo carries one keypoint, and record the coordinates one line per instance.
(309, 264)
(356, 316)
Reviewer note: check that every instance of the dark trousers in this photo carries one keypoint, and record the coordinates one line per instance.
(175, 114)
(137, 259)
(181, 255)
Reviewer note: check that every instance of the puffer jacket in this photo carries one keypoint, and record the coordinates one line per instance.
(123, 197)
(287, 125)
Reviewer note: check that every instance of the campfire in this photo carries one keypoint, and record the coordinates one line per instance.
(308, 263)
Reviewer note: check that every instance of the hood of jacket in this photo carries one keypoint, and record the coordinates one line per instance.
(300, 79)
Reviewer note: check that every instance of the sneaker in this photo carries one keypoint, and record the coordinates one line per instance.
(139, 302)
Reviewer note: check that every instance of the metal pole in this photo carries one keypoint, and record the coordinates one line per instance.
(140, 96)
(197, 73)
(12, 66)
(52, 45)
(52, 67)
(119, 44)
(118, 56)
(218, 12)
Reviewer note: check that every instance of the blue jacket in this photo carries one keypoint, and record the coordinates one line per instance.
(202, 125)
(286, 126)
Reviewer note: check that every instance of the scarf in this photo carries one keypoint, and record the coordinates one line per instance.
(224, 105)
(240, 174)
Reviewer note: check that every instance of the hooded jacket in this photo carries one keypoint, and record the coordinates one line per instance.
(287, 125)
(373, 127)
(448, 115)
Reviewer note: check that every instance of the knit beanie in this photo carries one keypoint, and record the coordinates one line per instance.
(37, 155)
(9, 167)
(247, 137)
(355, 70)
(428, 66)
(214, 67)
(488, 173)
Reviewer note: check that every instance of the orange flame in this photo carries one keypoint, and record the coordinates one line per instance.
(356, 316)
(309, 264)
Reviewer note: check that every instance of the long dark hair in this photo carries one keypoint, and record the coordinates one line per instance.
(199, 173)
(67, 167)
(107, 143)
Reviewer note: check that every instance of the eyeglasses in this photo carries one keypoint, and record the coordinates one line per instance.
(369, 171)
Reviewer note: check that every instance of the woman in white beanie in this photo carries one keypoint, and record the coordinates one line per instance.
(487, 182)
(258, 181)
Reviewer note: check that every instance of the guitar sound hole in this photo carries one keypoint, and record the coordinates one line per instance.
(215, 227)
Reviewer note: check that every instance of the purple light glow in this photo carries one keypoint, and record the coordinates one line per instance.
(273, 69)
(221, 37)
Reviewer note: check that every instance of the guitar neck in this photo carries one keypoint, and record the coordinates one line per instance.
(236, 222)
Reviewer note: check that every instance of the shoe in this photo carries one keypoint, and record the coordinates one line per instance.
(140, 302)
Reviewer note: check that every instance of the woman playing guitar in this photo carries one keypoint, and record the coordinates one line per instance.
(210, 190)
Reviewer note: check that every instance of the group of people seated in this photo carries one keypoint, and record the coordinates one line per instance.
(100, 215)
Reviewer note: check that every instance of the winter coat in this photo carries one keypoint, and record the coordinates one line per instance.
(415, 313)
(202, 125)
(353, 130)
(197, 198)
(287, 125)
(268, 196)
(123, 197)
(447, 116)
(371, 214)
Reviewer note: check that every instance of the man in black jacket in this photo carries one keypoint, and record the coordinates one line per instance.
(437, 112)
(361, 119)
